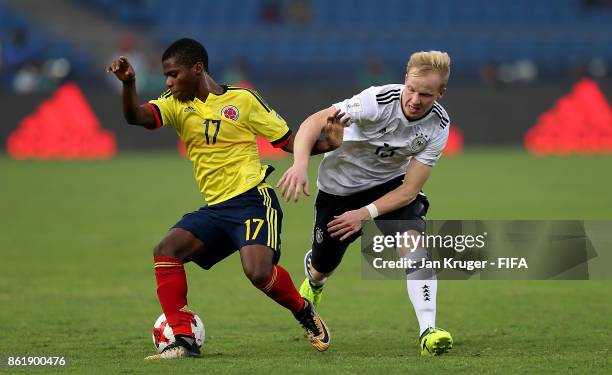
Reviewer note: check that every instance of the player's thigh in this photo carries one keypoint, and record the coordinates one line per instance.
(179, 243)
(327, 251)
(258, 221)
(205, 226)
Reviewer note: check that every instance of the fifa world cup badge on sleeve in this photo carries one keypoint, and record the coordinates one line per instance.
(354, 106)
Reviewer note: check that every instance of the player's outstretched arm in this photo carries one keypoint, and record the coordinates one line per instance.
(134, 113)
(330, 122)
(333, 132)
(350, 222)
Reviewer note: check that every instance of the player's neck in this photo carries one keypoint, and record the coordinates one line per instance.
(207, 86)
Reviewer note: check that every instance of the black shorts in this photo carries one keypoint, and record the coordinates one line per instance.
(253, 217)
(327, 252)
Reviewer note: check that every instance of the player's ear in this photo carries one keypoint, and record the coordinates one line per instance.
(442, 91)
(198, 68)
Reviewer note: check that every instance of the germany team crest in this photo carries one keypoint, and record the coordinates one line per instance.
(230, 112)
(418, 143)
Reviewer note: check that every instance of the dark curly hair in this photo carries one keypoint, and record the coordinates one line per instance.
(187, 52)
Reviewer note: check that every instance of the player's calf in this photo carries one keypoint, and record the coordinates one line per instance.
(171, 278)
(316, 278)
(312, 287)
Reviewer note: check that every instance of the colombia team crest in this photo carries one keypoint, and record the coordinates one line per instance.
(230, 112)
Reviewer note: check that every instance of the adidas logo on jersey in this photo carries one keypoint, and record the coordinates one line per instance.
(189, 109)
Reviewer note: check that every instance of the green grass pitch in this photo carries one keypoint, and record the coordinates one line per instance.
(76, 275)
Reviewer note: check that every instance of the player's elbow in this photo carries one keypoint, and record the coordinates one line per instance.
(288, 146)
(315, 124)
(288, 149)
(327, 145)
(407, 194)
(135, 118)
(131, 117)
(131, 120)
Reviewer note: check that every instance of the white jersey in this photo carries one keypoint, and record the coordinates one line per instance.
(380, 141)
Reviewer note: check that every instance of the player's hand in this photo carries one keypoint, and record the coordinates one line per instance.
(334, 128)
(293, 180)
(348, 223)
(122, 69)
(338, 118)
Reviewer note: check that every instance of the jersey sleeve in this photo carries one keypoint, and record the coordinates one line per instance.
(432, 152)
(361, 108)
(266, 122)
(164, 110)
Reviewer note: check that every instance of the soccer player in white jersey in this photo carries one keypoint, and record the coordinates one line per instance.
(394, 137)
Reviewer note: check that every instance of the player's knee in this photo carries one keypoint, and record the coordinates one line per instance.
(320, 268)
(259, 276)
(419, 271)
(164, 249)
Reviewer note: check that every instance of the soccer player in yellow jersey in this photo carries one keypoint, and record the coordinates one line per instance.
(218, 125)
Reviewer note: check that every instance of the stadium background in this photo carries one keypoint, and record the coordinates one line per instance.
(76, 238)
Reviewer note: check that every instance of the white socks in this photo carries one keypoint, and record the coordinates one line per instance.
(422, 285)
(422, 294)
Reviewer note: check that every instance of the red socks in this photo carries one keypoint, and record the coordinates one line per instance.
(172, 293)
(280, 288)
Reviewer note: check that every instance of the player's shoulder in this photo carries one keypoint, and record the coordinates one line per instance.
(372, 103)
(166, 98)
(245, 95)
(387, 93)
(440, 116)
(377, 95)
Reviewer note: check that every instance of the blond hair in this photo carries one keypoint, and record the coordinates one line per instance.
(431, 61)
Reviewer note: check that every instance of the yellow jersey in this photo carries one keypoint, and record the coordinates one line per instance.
(219, 135)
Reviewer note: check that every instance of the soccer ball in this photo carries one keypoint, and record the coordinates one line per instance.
(163, 335)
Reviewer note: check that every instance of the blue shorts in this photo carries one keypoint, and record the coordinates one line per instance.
(251, 218)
